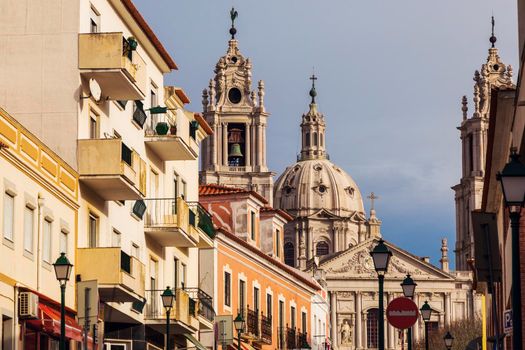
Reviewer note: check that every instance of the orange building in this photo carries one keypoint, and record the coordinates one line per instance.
(251, 277)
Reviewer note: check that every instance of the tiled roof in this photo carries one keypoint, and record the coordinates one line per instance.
(284, 214)
(214, 190)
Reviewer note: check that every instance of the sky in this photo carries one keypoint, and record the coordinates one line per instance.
(391, 75)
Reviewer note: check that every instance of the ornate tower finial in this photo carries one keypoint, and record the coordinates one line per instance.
(464, 107)
(493, 38)
(313, 93)
(444, 255)
(233, 15)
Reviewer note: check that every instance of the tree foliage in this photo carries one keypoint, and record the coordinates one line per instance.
(463, 331)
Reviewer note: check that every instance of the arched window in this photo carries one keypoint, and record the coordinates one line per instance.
(322, 248)
(371, 328)
(315, 139)
(307, 139)
(321, 137)
(289, 254)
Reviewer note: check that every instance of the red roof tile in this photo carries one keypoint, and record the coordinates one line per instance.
(214, 190)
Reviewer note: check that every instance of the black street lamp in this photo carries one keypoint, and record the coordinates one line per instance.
(381, 257)
(409, 288)
(63, 269)
(449, 339)
(512, 179)
(426, 313)
(239, 327)
(167, 301)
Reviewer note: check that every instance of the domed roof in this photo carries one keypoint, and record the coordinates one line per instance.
(310, 185)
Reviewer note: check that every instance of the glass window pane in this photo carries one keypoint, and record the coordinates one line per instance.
(63, 242)
(9, 210)
(28, 229)
(46, 243)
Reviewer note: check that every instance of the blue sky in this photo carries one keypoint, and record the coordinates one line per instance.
(391, 76)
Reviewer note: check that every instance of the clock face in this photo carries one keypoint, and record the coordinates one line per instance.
(234, 95)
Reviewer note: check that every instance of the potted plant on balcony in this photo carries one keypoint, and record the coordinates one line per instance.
(162, 128)
(132, 42)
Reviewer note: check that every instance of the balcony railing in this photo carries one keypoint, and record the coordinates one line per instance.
(252, 322)
(266, 329)
(183, 306)
(281, 338)
(205, 222)
(205, 307)
(302, 339)
(291, 338)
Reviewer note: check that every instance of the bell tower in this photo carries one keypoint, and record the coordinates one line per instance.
(236, 153)
(313, 130)
(468, 193)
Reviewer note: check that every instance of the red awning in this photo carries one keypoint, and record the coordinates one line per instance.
(50, 322)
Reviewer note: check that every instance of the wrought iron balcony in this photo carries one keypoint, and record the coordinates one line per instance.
(252, 322)
(200, 219)
(205, 303)
(266, 329)
(183, 312)
(291, 339)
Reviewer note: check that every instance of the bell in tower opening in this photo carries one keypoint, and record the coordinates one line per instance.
(236, 143)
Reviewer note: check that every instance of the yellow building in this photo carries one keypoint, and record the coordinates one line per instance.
(38, 219)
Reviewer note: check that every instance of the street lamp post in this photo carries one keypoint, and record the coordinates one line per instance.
(426, 313)
(409, 288)
(381, 257)
(239, 327)
(449, 339)
(167, 301)
(512, 179)
(63, 269)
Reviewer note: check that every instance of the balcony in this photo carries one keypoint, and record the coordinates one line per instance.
(165, 136)
(111, 169)
(183, 315)
(167, 221)
(120, 277)
(266, 329)
(205, 311)
(252, 323)
(113, 62)
(291, 338)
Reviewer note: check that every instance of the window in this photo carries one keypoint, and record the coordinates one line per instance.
(281, 314)
(269, 305)
(303, 322)
(321, 139)
(371, 328)
(9, 216)
(93, 231)
(175, 185)
(139, 116)
(292, 316)
(470, 146)
(93, 125)
(116, 239)
(227, 289)
(135, 251)
(256, 299)
(46, 241)
(152, 274)
(315, 138)
(277, 243)
(183, 276)
(321, 248)
(176, 272)
(307, 139)
(29, 223)
(289, 254)
(242, 296)
(63, 242)
(94, 20)
(153, 96)
(252, 225)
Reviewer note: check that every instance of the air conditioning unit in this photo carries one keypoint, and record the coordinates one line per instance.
(27, 305)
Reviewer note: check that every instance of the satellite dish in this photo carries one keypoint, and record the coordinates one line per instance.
(95, 90)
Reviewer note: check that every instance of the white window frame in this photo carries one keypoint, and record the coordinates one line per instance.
(47, 240)
(63, 233)
(10, 237)
(29, 229)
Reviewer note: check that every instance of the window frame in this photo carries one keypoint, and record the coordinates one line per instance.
(227, 288)
(48, 223)
(11, 237)
(29, 230)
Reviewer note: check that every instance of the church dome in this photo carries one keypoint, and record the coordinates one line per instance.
(314, 184)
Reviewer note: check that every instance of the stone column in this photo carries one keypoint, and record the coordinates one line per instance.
(365, 342)
(333, 319)
(389, 328)
(225, 144)
(247, 142)
(263, 148)
(447, 310)
(358, 322)
(213, 147)
(336, 239)
(415, 328)
(254, 145)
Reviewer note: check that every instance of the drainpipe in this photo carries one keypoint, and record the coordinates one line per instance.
(38, 249)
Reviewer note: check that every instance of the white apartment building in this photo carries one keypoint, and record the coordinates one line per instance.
(86, 78)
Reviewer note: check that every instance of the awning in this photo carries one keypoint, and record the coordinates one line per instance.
(50, 322)
(195, 342)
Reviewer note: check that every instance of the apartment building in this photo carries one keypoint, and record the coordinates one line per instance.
(251, 278)
(38, 221)
(86, 77)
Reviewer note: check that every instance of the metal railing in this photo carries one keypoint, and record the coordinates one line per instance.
(252, 321)
(154, 308)
(266, 329)
(291, 338)
(205, 222)
(302, 339)
(160, 123)
(205, 308)
(161, 211)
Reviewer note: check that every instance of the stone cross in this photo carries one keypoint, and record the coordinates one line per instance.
(372, 198)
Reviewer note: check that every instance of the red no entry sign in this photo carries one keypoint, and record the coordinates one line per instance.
(402, 313)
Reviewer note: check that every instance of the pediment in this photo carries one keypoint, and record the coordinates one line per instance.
(356, 262)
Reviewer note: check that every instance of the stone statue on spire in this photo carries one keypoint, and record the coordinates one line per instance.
(233, 15)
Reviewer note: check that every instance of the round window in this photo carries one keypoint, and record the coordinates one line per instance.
(322, 188)
(234, 95)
